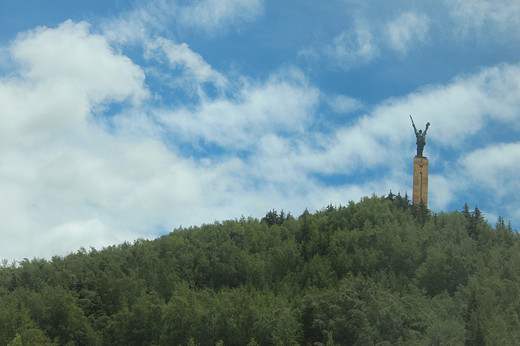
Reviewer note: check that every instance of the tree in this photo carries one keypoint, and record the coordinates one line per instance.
(63, 320)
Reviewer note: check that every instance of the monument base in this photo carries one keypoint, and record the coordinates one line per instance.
(420, 181)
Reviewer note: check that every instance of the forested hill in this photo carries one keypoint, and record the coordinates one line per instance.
(374, 272)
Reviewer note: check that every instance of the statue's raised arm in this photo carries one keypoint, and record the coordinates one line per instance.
(426, 129)
(413, 124)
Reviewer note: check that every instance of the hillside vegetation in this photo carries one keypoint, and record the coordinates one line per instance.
(374, 272)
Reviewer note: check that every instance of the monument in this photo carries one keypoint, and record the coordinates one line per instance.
(420, 168)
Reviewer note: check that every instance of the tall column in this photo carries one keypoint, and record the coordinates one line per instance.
(420, 181)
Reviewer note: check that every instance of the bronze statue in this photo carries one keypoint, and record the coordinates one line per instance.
(421, 138)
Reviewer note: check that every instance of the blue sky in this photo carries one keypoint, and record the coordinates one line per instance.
(123, 120)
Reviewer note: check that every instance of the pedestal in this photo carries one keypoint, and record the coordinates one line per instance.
(420, 181)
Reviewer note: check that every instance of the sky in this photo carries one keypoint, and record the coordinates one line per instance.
(122, 120)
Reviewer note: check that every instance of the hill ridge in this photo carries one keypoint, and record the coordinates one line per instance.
(376, 271)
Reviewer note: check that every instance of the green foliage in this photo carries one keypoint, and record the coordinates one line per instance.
(379, 271)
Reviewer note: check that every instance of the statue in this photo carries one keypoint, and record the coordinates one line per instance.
(421, 138)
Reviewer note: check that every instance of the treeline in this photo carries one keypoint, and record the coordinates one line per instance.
(379, 271)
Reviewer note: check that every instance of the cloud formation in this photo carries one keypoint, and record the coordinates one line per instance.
(52, 165)
(367, 40)
(352, 48)
(406, 30)
(99, 144)
(214, 15)
(284, 103)
(193, 65)
(485, 18)
(160, 17)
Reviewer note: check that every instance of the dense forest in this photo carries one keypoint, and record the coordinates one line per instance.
(376, 272)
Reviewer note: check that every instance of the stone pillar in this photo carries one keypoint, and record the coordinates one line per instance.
(420, 181)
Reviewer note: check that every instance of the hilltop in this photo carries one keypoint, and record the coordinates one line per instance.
(379, 271)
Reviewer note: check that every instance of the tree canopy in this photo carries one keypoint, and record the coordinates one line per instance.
(379, 271)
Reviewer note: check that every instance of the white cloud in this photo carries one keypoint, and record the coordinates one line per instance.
(364, 42)
(181, 56)
(78, 185)
(56, 166)
(73, 235)
(442, 190)
(69, 55)
(495, 168)
(498, 20)
(406, 30)
(70, 180)
(214, 15)
(344, 104)
(95, 190)
(284, 103)
(64, 73)
(160, 17)
(352, 48)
